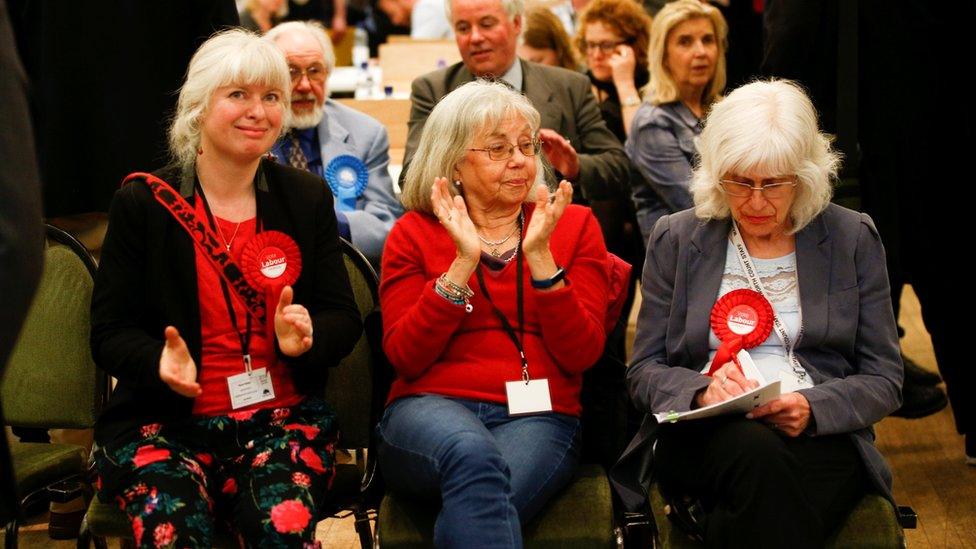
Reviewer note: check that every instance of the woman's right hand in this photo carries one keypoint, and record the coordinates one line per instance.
(623, 63)
(176, 366)
(453, 215)
(727, 382)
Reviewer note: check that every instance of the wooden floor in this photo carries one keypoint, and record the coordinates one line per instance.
(926, 456)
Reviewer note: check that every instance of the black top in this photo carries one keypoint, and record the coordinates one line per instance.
(147, 280)
(609, 101)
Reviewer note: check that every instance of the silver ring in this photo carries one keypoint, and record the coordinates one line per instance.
(723, 380)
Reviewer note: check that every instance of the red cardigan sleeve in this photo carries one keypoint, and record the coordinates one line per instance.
(417, 323)
(571, 318)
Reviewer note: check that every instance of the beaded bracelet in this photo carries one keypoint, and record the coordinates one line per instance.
(458, 295)
(462, 292)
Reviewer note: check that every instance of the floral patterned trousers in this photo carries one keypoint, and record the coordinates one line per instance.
(262, 470)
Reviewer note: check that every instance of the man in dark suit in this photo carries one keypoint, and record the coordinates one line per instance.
(575, 140)
(21, 232)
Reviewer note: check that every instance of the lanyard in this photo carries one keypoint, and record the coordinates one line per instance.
(788, 344)
(244, 336)
(521, 313)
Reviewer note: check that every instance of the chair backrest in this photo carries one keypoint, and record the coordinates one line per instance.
(357, 387)
(402, 62)
(394, 114)
(51, 379)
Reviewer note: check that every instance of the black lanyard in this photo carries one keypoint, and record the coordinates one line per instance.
(501, 316)
(243, 336)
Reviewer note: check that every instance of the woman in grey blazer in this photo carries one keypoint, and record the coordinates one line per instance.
(791, 470)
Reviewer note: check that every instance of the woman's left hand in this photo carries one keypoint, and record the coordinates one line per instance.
(535, 241)
(789, 413)
(293, 325)
(622, 64)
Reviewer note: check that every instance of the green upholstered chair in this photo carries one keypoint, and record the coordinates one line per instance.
(872, 524)
(51, 379)
(580, 516)
(356, 389)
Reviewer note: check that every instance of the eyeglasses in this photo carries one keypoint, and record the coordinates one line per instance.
(606, 48)
(315, 73)
(771, 190)
(504, 151)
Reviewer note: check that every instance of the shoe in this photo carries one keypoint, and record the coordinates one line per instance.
(920, 400)
(919, 375)
(971, 450)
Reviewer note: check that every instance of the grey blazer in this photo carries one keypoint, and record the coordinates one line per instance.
(566, 103)
(849, 344)
(344, 130)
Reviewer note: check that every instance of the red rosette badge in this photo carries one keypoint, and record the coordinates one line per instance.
(270, 261)
(741, 319)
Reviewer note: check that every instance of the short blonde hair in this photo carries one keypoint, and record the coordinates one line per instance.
(234, 56)
(472, 110)
(314, 29)
(768, 128)
(662, 88)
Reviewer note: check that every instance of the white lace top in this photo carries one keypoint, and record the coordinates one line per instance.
(778, 278)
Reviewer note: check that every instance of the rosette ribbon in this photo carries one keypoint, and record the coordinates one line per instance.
(347, 176)
(270, 261)
(741, 319)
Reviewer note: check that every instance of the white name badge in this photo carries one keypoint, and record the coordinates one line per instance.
(250, 388)
(528, 398)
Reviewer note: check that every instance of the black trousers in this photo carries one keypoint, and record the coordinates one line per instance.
(760, 488)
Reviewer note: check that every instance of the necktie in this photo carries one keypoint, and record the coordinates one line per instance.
(296, 157)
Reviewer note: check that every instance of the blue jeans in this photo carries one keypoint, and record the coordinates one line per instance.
(491, 472)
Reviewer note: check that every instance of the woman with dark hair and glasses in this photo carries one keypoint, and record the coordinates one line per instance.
(494, 296)
(613, 40)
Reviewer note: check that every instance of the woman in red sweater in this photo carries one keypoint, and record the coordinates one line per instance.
(494, 294)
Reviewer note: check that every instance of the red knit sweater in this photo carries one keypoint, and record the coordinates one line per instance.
(437, 348)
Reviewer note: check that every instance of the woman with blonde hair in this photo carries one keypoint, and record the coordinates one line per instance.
(687, 68)
(220, 302)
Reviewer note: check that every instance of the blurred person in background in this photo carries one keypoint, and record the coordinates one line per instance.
(687, 71)
(544, 40)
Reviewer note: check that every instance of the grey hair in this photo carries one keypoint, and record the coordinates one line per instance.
(234, 56)
(513, 8)
(313, 28)
(768, 128)
(471, 110)
(661, 88)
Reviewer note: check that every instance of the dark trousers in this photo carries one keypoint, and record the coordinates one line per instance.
(760, 488)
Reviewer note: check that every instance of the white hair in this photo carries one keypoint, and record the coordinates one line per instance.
(470, 111)
(318, 32)
(315, 30)
(234, 56)
(513, 8)
(766, 128)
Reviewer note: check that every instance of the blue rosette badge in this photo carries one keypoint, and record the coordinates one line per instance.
(347, 177)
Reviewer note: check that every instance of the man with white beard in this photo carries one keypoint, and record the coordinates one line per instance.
(345, 147)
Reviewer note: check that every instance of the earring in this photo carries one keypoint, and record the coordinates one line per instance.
(199, 151)
(457, 183)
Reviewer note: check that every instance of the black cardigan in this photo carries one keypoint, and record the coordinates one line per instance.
(147, 280)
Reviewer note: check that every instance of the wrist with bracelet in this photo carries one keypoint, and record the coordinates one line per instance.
(547, 283)
(455, 293)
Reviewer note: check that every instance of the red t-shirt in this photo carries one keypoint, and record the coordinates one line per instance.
(221, 350)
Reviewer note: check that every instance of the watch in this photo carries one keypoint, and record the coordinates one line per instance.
(631, 101)
(551, 281)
